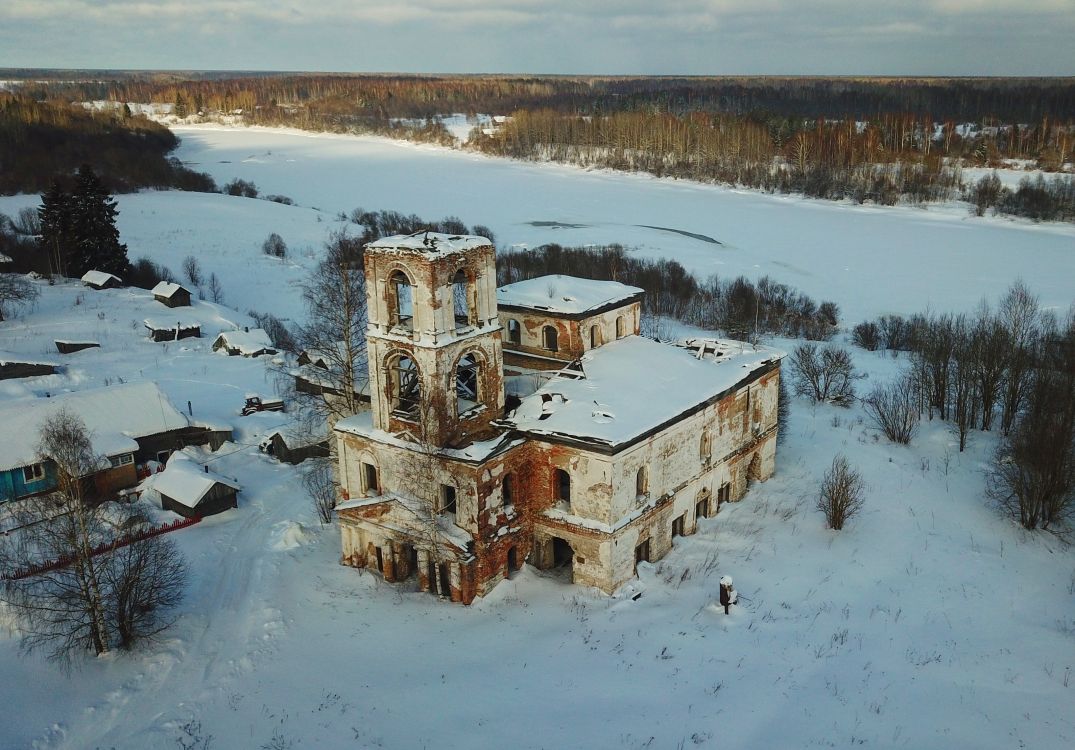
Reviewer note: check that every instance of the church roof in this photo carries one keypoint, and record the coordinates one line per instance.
(429, 243)
(633, 387)
(565, 294)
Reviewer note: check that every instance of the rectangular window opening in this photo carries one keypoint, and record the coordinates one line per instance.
(447, 499)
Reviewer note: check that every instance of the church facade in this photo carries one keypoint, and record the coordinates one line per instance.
(531, 424)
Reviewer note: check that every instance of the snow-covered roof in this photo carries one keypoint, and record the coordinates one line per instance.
(11, 358)
(114, 416)
(633, 386)
(99, 278)
(167, 289)
(362, 424)
(168, 322)
(411, 516)
(564, 294)
(432, 243)
(247, 342)
(186, 481)
(5, 258)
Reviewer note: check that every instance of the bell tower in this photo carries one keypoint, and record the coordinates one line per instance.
(434, 339)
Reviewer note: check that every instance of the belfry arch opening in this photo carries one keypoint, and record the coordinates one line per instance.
(467, 384)
(400, 301)
(404, 386)
(463, 302)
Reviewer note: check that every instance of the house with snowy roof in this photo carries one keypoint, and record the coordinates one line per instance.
(608, 447)
(192, 489)
(129, 424)
(171, 294)
(101, 280)
(249, 342)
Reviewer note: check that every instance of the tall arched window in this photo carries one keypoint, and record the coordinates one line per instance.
(620, 327)
(400, 301)
(548, 336)
(515, 333)
(461, 306)
(642, 481)
(561, 485)
(507, 490)
(595, 336)
(404, 387)
(467, 384)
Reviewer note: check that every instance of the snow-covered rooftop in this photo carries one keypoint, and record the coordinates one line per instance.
(167, 289)
(186, 481)
(114, 416)
(362, 424)
(166, 322)
(247, 342)
(433, 243)
(99, 278)
(633, 386)
(564, 294)
(5, 258)
(11, 358)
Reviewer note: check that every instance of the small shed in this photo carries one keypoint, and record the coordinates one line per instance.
(170, 329)
(101, 280)
(190, 489)
(21, 366)
(294, 447)
(70, 347)
(171, 294)
(250, 342)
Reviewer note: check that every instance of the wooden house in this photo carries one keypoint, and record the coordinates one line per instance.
(21, 366)
(249, 342)
(171, 294)
(101, 280)
(294, 447)
(171, 329)
(70, 347)
(190, 489)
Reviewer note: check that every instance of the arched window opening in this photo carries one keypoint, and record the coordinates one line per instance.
(467, 394)
(642, 482)
(595, 337)
(619, 327)
(562, 485)
(507, 490)
(548, 336)
(400, 301)
(404, 386)
(461, 292)
(515, 333)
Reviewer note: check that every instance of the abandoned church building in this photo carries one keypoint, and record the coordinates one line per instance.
(533, 423)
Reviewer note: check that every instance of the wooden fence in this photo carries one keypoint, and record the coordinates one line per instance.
(123, 541)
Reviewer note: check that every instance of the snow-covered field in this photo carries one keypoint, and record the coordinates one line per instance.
(930, 622)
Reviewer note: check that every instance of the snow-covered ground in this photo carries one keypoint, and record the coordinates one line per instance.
(929, 622)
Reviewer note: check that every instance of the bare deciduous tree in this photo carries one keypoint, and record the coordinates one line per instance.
(92, 596)
(842, 493)
(15, 290)
(216, 289)
(824, 374)
(192, 270)
(335, 299)
(320, 485)
(894, 408)
(275, 246)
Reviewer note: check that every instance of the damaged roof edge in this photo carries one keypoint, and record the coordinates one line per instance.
(610, 449)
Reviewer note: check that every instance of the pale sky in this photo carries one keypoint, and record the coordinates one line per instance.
(834, 37)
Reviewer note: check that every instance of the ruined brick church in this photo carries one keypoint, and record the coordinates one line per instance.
(533, 424)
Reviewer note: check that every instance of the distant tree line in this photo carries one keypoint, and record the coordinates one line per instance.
(40, 140)
(888, 159)
(739, 306)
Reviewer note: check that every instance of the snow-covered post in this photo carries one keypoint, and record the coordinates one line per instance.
(728, 595)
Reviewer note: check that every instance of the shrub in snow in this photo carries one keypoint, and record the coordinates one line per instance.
(894, 409)
(826, 374)
(275, 246)
(842, 493)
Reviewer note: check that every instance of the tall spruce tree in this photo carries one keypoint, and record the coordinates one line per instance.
(93, 221)
(57, 236)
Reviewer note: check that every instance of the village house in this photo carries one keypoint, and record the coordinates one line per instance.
(170, 329)
(609, 446)
(100, 280)
(249, 342)
(191, 489)
(22, 366)
(129, 425)
(171, 294)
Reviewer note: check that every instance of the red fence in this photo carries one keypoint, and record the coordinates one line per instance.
(66, 560)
